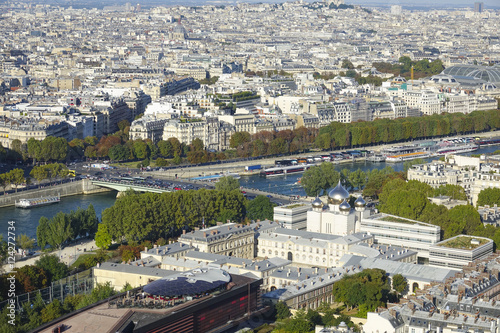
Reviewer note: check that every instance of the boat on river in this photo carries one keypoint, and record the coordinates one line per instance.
(36, 202)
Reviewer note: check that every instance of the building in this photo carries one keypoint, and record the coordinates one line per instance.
(464, 302)
(336, 218)
(293, 216)
(310, 292)
(228, 239)
(199, 301)
(459, 251)
(310, 248)
(478, 7)
(147, 127)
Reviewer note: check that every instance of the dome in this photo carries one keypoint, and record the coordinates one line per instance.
(344, 206)
(360, 202)
(488, 74)
(317, 203)
(399, 79)
(179, 28)
(338, 194)
(443, 79)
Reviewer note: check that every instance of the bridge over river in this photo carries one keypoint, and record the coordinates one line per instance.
(150, 186)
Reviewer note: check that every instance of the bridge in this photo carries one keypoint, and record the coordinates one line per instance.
(124, 186)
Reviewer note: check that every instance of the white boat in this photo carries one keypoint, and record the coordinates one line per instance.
(281, 171)
(407, 157)
(42, 201)
(376, 158)
(457, 149)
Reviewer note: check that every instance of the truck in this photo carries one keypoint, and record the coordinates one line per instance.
(253, 167)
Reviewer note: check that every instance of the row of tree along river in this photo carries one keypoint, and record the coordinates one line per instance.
(27, 219)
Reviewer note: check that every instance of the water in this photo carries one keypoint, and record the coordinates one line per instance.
(287, 184)
(27, 219)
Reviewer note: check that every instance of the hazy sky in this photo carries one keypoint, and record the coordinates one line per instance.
(455, 3)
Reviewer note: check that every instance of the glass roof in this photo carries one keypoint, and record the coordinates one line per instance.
(488, 74)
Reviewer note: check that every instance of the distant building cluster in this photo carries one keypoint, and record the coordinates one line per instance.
(207, 73)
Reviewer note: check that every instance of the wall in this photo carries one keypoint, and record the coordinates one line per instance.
(72, 188)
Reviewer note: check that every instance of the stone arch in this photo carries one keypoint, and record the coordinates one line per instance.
(290, 256)
(414, 286)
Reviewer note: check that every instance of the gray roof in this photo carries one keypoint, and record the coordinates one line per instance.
(132, 269)
(217, 232)
(168, 249)
(411, 271)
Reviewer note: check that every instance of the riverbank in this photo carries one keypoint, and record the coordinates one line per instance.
(77, 187)
(68, 255)
(239, 167)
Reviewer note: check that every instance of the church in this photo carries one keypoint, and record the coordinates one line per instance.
(337, 217)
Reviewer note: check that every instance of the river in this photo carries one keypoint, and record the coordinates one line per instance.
(27, 219)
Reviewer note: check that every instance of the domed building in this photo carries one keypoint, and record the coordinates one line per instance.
(474, 74)
(338, 217)
(179, 32)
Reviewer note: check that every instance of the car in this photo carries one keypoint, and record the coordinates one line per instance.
(269, 196)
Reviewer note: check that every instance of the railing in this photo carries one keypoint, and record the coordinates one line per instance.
(79, 283)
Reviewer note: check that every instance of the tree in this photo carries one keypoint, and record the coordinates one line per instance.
(161, 162)
(346, 63)
(489, 196)
(260, 208)
(102, 237)
(399, 283)
(119, 153)
(227, 183)
(4, 181)
(39, 173)
(55, 269)
(24, 242)
(30, 278)
(455, 192)
(282, 311)
(238, 139)
(166, 148)
(319, 178)
(16, 177)
(59, 231)
(52, 311)
(42, 232)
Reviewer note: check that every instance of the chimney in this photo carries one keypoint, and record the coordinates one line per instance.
(157, 250)
(183, 232)
(145, 249)
(205, 234)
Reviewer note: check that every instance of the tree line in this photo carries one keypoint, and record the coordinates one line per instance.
(118, 146)
(137, 217)
(65, 227)
(409, 199)
(383, 131)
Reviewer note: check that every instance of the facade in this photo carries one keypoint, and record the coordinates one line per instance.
(459, 251)
(397, 231)
(293, 216)
(228, 239)
(148, 127)
(311, 292)
(425, 100)
(309, 248)
(336, 218)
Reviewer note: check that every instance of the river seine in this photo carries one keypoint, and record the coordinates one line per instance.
(27, 219)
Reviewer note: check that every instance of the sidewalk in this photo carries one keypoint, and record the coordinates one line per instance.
(67, 255)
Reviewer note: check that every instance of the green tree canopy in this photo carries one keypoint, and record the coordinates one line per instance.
(489, 196)
(55, 269)
(227, 183)
(260, 208)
